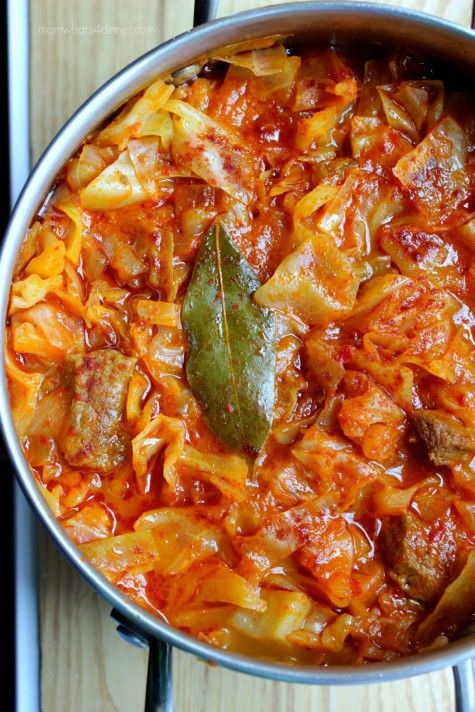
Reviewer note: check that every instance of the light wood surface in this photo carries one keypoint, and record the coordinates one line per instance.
(86, 666)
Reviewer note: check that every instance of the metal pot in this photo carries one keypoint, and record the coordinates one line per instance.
(340, 22)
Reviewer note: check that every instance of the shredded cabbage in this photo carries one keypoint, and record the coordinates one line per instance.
(131, 120)
(435, 173)
(316, 281)
(225, 586)
(314, 200)
(363, 203)
(132, 552)
(397, 379)
(31, 290)
(50, 262)
(414, 250)
(161, 432)
(90, 162)
(159, 313)
(376, 145)
(212, 151)
(375, 290)
(115, 187)
(261, 62)
(226, 472)
(334, 462)
(46, 332)
(181, 538)
(454, 608)
(329, 554)
(92, 522)
(370, 418)
(408, 105)
(317, 130)
(158, 124)
(152, 167)
(139, 386)
(74, 239)
(53, 499)
(285, 612)
(320, 357)
(388, 500)
(23, 387)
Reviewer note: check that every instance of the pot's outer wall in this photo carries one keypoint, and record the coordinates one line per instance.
(341, 23)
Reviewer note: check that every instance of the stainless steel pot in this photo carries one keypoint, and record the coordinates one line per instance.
(340, 22)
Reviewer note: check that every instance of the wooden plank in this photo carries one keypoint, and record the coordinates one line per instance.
(86, 667)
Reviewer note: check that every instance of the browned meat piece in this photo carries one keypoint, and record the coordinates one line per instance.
(446, 439)
(94, 435)
(420, 556)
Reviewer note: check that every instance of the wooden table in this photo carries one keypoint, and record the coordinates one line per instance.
(86, 666)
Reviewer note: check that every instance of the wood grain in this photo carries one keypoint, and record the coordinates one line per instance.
(86, 667)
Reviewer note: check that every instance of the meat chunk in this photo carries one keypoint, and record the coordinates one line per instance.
(447, 439)
(94, 435)
(420, 556)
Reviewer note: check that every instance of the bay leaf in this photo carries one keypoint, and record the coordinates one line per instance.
(231, 360)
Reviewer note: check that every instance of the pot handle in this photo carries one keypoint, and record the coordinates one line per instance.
(205, 10)
(159, 691)
(464, 678)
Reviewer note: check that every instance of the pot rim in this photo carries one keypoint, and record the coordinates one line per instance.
(176, 52)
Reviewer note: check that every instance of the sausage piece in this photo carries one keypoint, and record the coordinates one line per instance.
(420, 556)
(446, 439)
(94, 435)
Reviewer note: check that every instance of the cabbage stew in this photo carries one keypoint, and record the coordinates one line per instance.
(240, 353)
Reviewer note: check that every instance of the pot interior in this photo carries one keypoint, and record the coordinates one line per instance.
(344, 25)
